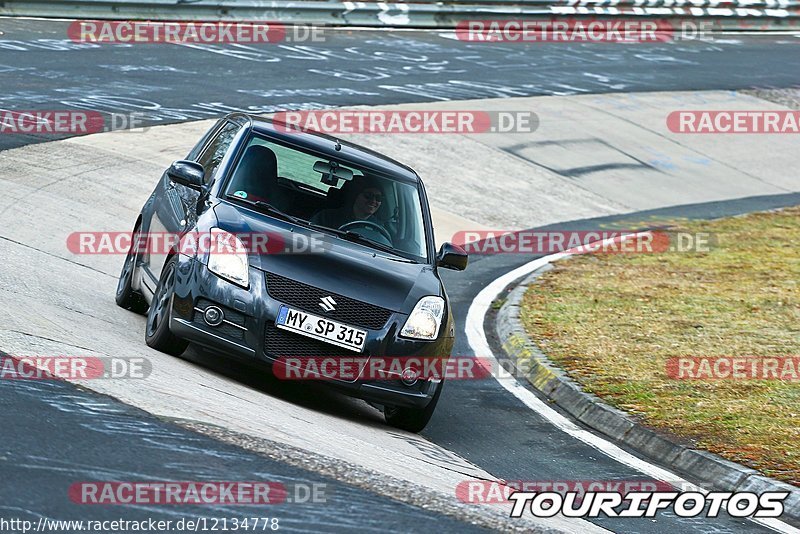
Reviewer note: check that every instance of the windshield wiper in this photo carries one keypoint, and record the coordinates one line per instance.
(345, 234)
(358, 238)
(269, 208)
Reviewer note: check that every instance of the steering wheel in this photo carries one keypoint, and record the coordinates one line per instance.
(375, 226)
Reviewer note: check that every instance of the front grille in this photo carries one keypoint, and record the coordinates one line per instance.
(348, 310)
(296, 352)
(280, 343)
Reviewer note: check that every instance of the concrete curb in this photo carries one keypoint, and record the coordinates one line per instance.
(705, 468)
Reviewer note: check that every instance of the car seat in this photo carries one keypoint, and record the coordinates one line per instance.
(257, 176)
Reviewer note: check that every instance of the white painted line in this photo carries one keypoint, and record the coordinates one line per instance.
(476, 337)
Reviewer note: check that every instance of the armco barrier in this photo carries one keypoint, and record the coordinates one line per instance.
(720, 15)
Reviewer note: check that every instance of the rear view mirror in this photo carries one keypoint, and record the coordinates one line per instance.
(452, 257)
(188, 173)
(332, 172)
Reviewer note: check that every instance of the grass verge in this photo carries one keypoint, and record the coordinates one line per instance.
(613, 321)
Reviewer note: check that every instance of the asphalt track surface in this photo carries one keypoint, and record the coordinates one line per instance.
(41, 69)
(64, 435)
(55, 438)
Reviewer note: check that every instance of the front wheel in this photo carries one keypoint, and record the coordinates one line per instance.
(412, 419)
(157, 334)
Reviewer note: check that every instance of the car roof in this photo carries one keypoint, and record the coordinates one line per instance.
(326, 144)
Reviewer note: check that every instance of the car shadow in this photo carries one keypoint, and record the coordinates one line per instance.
(311, 395)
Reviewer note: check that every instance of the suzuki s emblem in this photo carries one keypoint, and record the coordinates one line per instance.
(327, 303)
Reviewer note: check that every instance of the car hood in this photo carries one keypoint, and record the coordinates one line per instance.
(333, 264)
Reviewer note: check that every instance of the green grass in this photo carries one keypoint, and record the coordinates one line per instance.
(613, 320)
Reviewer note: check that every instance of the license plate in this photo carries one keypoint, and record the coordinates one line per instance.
(313, 326)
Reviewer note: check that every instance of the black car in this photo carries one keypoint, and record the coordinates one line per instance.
(349, 269)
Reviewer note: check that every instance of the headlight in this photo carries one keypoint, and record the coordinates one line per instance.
(227, 258)
(425, 320)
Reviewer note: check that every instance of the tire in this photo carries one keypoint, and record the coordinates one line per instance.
(156, 333)
(126, 297)
(412, 419)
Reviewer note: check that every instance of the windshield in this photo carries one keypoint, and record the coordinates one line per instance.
(332, 195)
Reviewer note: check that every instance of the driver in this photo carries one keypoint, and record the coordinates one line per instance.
(363, 206)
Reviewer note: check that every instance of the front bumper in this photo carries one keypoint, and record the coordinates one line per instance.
(249, 322)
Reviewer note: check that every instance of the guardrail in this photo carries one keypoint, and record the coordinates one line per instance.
(721, 15)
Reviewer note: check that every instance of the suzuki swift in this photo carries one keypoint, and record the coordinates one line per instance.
(293, 246)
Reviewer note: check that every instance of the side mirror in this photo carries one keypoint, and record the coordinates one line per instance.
(187, 173)
(452, 256)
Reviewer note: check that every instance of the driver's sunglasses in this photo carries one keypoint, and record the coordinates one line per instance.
(369, 197)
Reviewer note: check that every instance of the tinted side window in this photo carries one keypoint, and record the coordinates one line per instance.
(216, 150)
(195, 153)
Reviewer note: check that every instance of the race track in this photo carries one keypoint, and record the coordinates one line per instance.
(55, 302)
